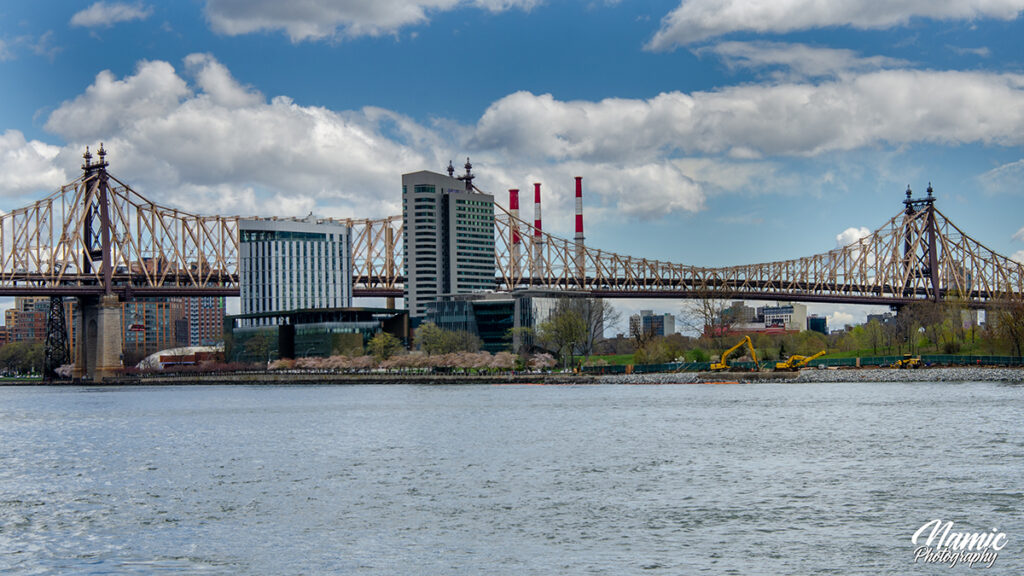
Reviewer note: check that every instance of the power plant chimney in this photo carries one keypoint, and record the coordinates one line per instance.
(538, 238)
(513, 204)
(580, 256)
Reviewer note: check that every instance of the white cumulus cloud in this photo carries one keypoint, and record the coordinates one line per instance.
(184, 141)
(204, 141)
(200, 133)
(106, 14)
(838, 319)
(855, 111)
(851, 235)
(697, 20)
(316, 19)
(28, 166)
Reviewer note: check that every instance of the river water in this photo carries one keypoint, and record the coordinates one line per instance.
(478, 479)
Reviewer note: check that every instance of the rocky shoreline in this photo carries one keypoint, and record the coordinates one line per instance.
(961, 374)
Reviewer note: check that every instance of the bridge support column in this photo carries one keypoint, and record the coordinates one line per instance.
(100, 338)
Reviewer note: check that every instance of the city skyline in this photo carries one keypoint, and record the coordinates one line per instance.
(704, 136)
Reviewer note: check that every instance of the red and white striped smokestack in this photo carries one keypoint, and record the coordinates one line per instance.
(536, 209)
(513, 206)
(579, 209)
(580, 251)
(538, 238)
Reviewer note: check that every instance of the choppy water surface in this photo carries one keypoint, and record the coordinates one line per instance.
(741, 479)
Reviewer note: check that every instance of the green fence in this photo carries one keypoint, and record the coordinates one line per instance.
(926, 359)
(866, 362)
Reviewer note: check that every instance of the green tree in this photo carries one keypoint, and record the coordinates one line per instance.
(525, 336)
(22, 357)
(1009, 324)
(434, 340)
(874, 335)
(564, 329)
(257, 348)
(659, 350)
(384, 346)
(461, 341)
(697, 355)
(429, 338)
(597, 313)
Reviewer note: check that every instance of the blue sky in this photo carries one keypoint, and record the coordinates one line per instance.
(708, 132)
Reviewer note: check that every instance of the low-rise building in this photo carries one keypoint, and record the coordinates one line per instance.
(267, 336)
(494, 317)
(651, 324)
(779, 319)
(817, 323)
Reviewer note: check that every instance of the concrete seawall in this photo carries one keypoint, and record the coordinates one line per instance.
(286, 378)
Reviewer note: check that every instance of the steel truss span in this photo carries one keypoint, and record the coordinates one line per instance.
(96, 235)
(918, 254)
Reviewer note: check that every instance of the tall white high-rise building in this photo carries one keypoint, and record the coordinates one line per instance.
(447, 239)
(294, 264)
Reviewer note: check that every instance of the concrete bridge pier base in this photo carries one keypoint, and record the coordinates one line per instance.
(99, 346)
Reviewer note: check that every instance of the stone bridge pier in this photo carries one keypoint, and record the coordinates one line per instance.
(99, 352)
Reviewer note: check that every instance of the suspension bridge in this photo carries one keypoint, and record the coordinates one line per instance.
(99, 240)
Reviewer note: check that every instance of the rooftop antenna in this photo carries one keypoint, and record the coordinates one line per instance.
(468, 178)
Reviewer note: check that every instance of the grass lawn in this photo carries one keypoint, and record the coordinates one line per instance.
(615, 359)
(20, 379)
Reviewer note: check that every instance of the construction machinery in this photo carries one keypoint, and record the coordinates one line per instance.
(724, 363)
(796, 362)
(908, 361)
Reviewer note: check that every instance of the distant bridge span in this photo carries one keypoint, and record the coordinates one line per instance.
(919, 254)
(96, 236)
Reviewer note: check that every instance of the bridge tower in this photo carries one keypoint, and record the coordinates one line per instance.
(920, 251)
(56, 352)
(99, 317)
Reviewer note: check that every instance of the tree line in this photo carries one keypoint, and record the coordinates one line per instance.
(21, 358)
(924, 327)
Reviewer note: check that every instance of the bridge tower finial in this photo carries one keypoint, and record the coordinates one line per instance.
(908, 192)
(451, 169)
(88, 159)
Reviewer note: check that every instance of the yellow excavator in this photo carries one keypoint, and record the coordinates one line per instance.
(796, 362)
(724, 364)
(908, 361)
